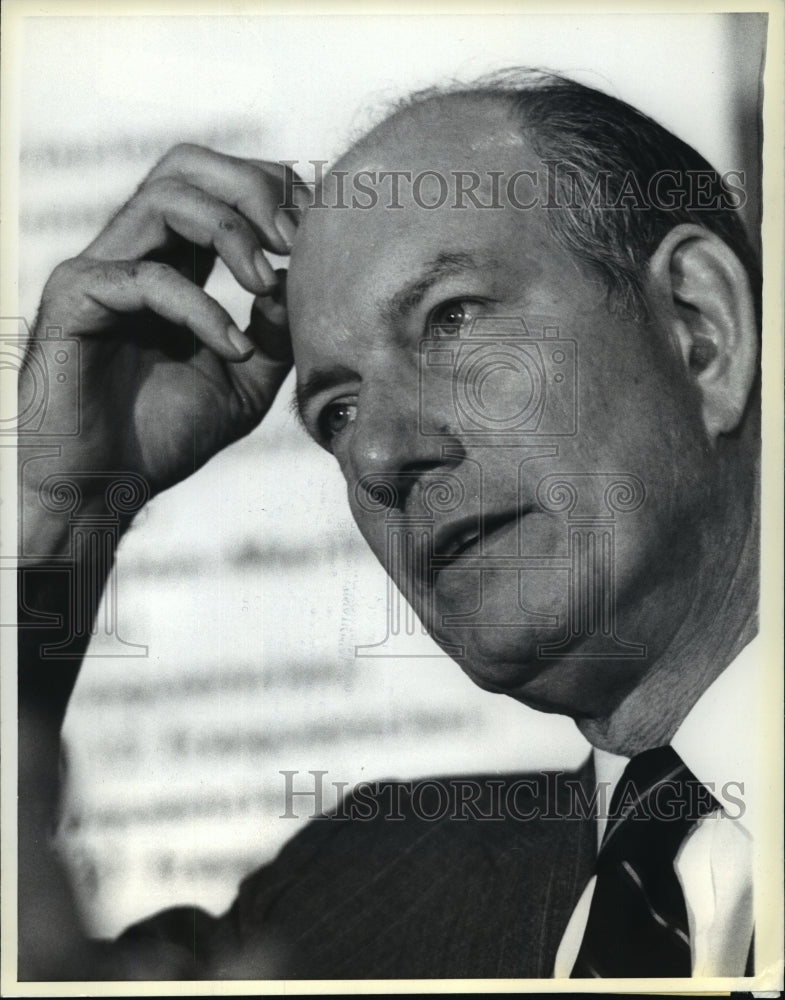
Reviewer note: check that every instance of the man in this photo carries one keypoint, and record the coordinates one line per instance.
(564, 347)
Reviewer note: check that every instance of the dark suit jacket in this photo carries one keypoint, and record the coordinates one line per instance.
(457, 896)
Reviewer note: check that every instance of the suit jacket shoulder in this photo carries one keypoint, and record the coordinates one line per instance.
(453, 877)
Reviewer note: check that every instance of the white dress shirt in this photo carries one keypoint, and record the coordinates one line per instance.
(714, 864)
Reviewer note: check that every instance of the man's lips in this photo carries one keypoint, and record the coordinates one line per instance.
(462, 537)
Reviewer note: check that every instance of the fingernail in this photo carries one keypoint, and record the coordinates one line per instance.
(272, 309)
(239, 342)
(286, 228)
(264, 269)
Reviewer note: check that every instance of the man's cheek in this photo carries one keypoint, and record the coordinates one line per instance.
(519, 580)
(646, 554)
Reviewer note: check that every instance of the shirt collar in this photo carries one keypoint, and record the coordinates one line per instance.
(716, 738)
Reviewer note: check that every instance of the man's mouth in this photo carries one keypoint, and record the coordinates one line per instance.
(463, 537)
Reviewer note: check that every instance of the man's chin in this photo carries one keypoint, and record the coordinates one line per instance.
(507, 667)
(567, 683)
(486, 629)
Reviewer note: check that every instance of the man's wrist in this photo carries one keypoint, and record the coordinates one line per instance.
(58, 511)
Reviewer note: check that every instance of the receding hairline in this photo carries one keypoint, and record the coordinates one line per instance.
(412, 110)
(590, 131)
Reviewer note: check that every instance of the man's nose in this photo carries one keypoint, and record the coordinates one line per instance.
(394, 454)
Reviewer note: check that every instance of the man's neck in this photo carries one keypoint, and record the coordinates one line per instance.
(721, 626)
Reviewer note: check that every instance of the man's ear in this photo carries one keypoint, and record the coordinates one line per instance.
(701, 292)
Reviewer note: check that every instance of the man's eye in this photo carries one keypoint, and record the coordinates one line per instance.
(336, 417)
(451, 317)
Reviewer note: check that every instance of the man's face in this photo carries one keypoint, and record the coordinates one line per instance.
(536, 491)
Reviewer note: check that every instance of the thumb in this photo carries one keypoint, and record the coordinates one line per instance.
(269, 327)
(258, 379)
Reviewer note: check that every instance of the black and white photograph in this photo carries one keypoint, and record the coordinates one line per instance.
(391, 498)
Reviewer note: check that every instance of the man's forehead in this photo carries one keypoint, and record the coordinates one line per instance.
(405, 196)
(448, 126)
(439, 137)
(424, 169)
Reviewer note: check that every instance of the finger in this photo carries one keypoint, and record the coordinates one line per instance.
(85, 296)
(259, 193)
(298, 194)
(269, 326)
(259, 378)
(171, 205)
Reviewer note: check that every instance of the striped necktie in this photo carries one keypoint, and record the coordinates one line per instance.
(637, 924)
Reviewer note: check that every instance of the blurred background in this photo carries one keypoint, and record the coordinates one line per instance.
(247, 589)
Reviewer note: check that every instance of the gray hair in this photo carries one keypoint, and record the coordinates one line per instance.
(591, 134)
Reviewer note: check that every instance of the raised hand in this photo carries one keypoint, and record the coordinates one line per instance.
(166, 378)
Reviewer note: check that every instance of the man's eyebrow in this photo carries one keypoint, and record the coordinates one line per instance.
(443, 265)
(319, 380)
